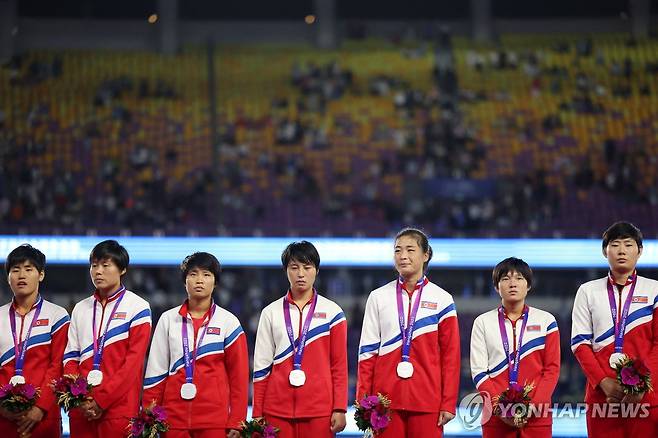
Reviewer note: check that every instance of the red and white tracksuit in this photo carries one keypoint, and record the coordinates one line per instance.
(435, 355)
(221, 372)
(306, 410)
(122, 362)
(539, 365)
(592, 341)
(43, 361)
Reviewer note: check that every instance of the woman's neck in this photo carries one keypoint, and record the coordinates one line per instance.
(514, 310)
(107, 291)
(197, 307)
(622, 276)
(301, 296)
(411, 281)
(24, 303)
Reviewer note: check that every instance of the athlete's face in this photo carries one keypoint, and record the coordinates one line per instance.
(512, 287)
(409, 257)
(622, 255)
(24, 279)
(199, 283)
(301, 275)
(106, 275)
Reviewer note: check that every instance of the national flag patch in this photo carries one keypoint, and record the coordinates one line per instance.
(214, 330)
(119, 315)
(428, 305)
(41, 322)
(320, 315)
(642, 299)
(533, 328)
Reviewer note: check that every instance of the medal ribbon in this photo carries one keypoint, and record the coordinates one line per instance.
(620, 326)
(189, 361)
(409, 331)
(298, 352)
(513, 364)
(21, 348)
(99, 343)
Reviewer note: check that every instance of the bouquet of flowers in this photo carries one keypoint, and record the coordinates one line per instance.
(372, 414)
(18, 398)
(71, 390)
(258, 428)
(633, 375)
(514, 403)
(150, 422)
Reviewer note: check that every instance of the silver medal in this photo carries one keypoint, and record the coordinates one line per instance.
(405, 370)
(297, 378)
(615, 358)
(188, 391)
(95, 377)
(17, 380)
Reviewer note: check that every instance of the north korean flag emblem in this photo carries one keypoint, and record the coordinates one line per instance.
(213, 330)
(41, 322)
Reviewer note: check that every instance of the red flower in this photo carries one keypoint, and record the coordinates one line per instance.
(641, 368)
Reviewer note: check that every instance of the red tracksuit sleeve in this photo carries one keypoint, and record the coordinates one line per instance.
(551, 371)
(589, 364)
(368, 349)
(264, 352)
(652, 358)
(57, 344)
(338, 341)
(449, 348)
(237, 368)
(115, 387)
(72, 366)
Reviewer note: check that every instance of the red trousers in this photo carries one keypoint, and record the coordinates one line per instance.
(195, 433)
(46, 428)
(407, 424)
(636, 426)
(505, 431)
(82, 428)
(316, 427)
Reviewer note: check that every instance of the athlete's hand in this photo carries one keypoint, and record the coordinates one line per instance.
(11, 416)
(91, 410)
(633, 398)
(29, 419)
(445, 417)
(338, 421)
(612, 389)
(233, 433)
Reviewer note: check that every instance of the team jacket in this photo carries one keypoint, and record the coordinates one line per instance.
(540, 356)
(592, 334)
(43, 358)
(123, 357)
(435, 350)
(221, 371)
(324, 362)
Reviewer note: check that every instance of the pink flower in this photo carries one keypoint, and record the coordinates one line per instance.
(6, 389)
(159, 413)
(377, 421)
(137, 428)
(629, 376)
(369, 402)
(79, 387)
(641, 368)
(28, 391)
(269, 431)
